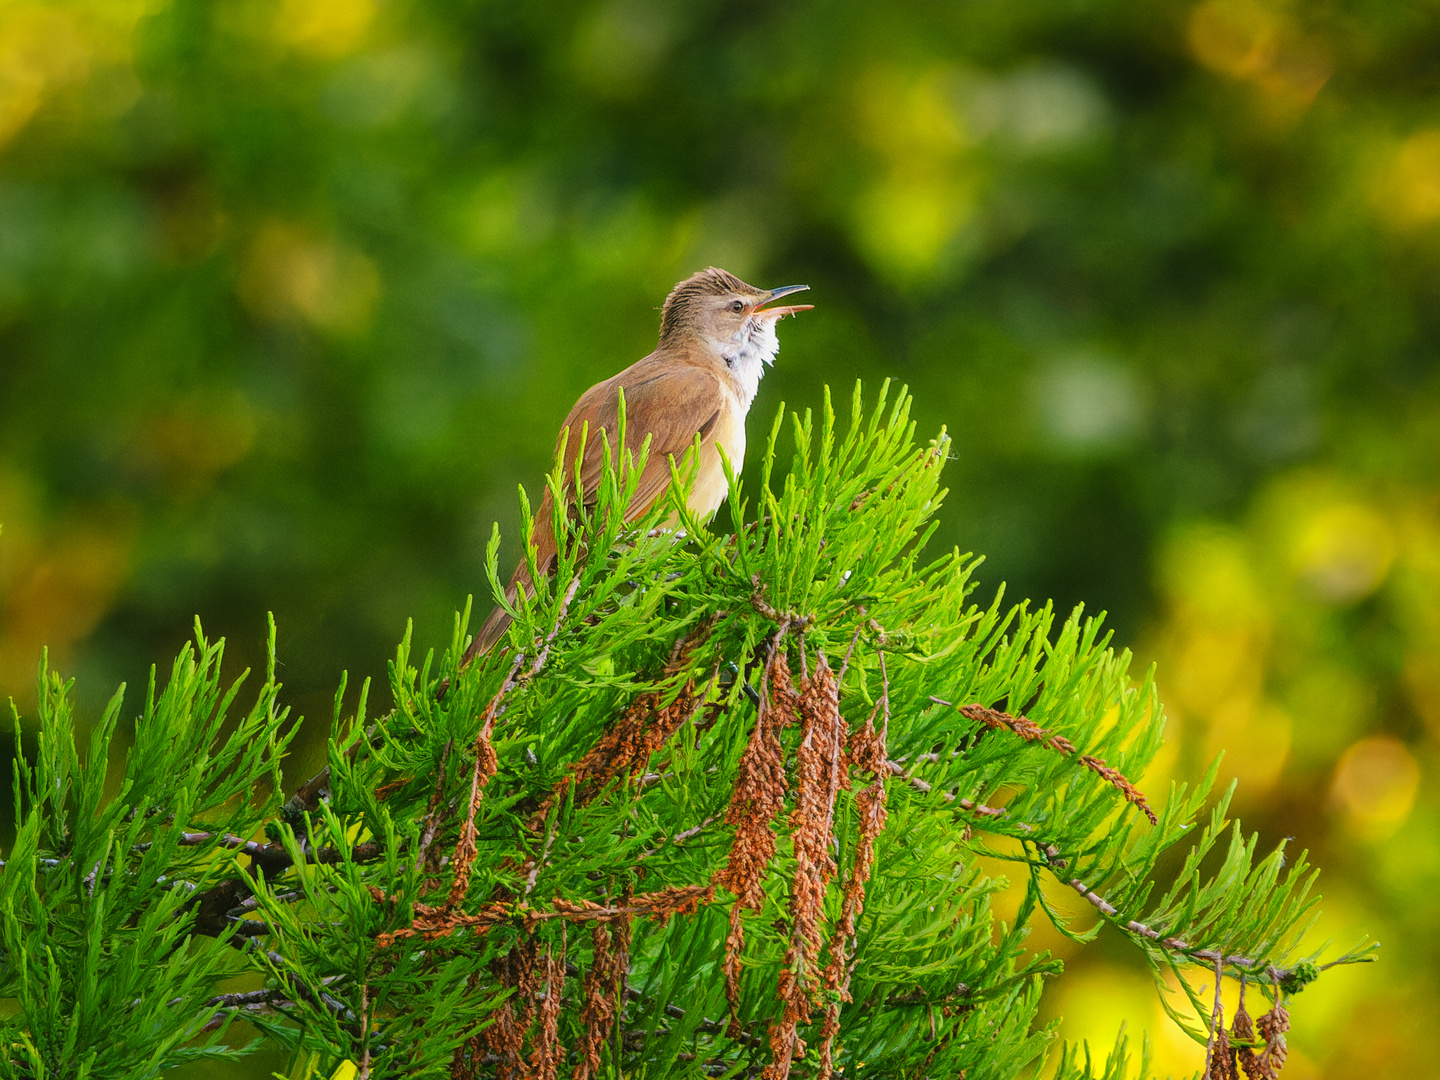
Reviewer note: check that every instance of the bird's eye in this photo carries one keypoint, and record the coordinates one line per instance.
(738, 305)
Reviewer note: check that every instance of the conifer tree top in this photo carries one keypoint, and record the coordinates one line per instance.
(722, 806)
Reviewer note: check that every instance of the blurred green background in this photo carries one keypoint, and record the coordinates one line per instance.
(294, 292)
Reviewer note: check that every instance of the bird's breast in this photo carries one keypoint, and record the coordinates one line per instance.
(711, 487)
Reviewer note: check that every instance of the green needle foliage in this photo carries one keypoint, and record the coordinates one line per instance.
(103, 971)
(722, 805)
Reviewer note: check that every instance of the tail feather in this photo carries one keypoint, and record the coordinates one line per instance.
(491, 631)
(498, 621)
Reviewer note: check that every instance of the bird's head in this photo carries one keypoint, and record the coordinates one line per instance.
(725, 313)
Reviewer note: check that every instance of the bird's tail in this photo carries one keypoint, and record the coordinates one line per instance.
(491, 630)
(498, 621)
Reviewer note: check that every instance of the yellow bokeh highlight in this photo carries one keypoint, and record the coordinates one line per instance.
(1407, 190)
(41, 49)
(924, 190)
(1337, 541)
(325, 29)
(1332, 703)
(1214, 651)
(1374, 787)
(1095, 1001)
(1208, 570)
(1256, 658)
(1255, 737)
(1422, 680)
(48, 51)
(1260, 44)
(1212, 666)
(1343, 551)
(1235, 37)
(905, 222)
(1414, 585)
(899, 112)
(1241, 598)
(288, 271)
(58, 577)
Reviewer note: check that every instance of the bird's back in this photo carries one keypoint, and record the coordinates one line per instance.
(668, 391)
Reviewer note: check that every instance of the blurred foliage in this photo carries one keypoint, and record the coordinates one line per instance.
(293, 292)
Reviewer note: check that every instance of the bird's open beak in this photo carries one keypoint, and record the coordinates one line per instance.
(781, 312)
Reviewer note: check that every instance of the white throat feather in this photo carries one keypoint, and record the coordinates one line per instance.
(746, 354)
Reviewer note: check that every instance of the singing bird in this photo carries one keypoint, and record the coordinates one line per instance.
(716, 336)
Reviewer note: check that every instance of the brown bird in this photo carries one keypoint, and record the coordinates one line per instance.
(715, 339)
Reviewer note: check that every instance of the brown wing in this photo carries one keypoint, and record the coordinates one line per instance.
(671, 404)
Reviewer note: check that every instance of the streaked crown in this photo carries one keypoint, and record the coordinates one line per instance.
(689, 300)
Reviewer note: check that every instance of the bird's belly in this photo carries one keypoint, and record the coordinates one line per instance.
(711, 487)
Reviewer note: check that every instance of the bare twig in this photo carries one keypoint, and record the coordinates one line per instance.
(786, 620)
(485, 763)
(925, 787)
(1175, 944)
(678, 838)
(536, 863)
(432, 819)
(854, 639)
(232, 1001)
(484, 768)
(1217, 1022)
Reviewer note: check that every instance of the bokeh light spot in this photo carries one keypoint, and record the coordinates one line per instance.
(1422, 678)
(1374, 786)
(1038, 108)
(1234, 37)
(1088, 402)
(1343, 551)
(923, 191)
(623, 41)
(57, 580)
(1261, 45)
(1332, 704)
(904, 224)
(288, 271)
(324, 28)
(1408, 192)
(1207, 568)
(1255, 737)
(40, 49)
(376, 89)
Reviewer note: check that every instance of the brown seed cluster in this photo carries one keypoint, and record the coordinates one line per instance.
(867, 753)
(1242, 1030)
(811, 977)
(484, 768)
(521, 1040)
(626, 747)
(758, 798)
(432, 923)
(604, 993)
(1030, 731)
(547, 1053)
(1255, 1048)
(498, 1048)
(504, 1037)
(820, 771)
(624, 750)
(1271, 1027)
